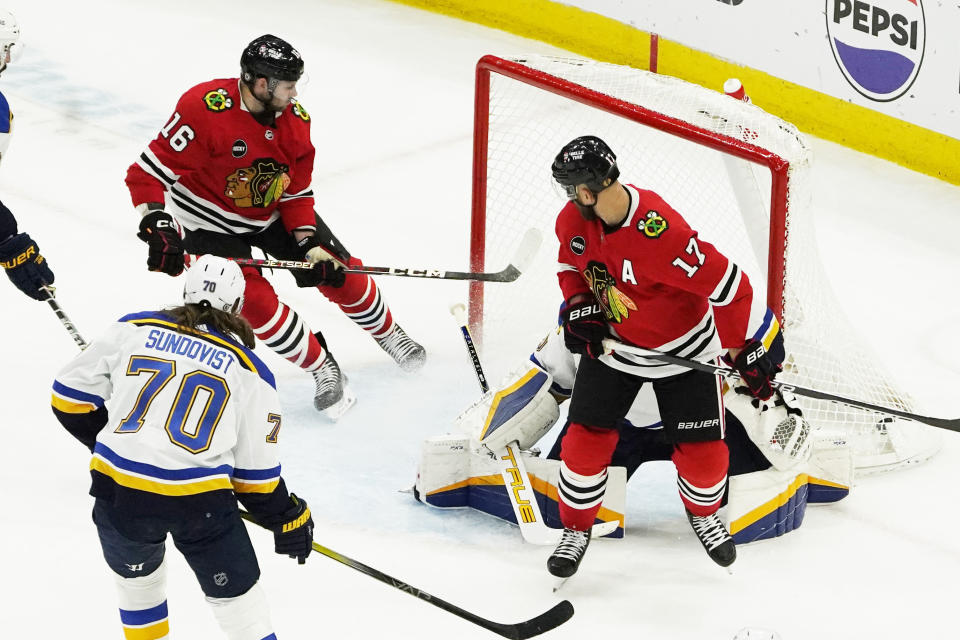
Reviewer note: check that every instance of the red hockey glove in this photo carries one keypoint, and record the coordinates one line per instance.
(757, 369)
(584, 326)
(159, 231)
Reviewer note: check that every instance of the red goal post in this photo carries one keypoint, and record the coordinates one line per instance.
(490, 64)
(739, 175)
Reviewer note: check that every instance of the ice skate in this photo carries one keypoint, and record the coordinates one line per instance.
(714, 538)
(329, 384)
(565, 559)
(407, 353)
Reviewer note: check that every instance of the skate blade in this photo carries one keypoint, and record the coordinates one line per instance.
(335, 411)
(558, 583)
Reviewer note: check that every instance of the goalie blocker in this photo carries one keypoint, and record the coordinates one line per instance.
(776, 468)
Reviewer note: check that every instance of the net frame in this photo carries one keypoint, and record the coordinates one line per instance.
(765, 142)
(779, 166)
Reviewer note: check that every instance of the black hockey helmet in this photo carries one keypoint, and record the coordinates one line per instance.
(270, 57)
(585, 160)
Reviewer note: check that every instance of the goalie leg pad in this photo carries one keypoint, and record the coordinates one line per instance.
(520, 410)
(766, 504)
(453, 475)
(831, 470)
(444, 474)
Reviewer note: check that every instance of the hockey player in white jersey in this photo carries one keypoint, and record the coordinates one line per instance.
(183, 420)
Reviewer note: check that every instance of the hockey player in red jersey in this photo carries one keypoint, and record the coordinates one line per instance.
(232, 170)
(631, 268)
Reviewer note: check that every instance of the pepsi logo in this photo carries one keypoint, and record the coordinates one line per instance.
(878, 45)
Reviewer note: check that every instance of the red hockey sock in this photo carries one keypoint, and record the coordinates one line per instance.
(585, 454)
(360, 299)
(701, 474)
(278, 326)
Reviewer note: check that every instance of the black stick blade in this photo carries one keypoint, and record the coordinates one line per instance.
(546, 621)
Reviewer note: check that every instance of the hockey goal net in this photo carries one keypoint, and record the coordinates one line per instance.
(740, 177)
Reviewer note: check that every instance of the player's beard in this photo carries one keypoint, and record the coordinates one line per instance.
(586, 211)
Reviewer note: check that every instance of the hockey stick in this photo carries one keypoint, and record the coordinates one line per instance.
(611, 346)
(550, 619)
(521, 260)
(62, 316)
(516, 481)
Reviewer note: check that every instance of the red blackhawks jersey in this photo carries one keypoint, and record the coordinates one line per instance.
(660, 285)
(223, 170)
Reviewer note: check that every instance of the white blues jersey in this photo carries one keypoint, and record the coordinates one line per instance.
(189, 413)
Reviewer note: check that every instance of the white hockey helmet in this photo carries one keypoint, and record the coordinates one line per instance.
(9, 35)
(216, 281)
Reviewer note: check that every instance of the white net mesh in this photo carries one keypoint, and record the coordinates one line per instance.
(726, 199)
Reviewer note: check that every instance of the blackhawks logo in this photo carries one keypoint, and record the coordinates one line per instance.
(259, 185)
(300, 111)
(652, 224)
(615, 303)
(218, 100)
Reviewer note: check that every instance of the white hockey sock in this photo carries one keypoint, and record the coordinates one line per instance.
(245, 617)
(143, 605)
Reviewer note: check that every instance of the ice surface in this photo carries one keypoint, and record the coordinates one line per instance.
(391, 92)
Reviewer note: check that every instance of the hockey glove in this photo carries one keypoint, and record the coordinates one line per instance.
(584, 326)
(325, 272)
(26, 268)
(294, 537)
(159, 231)
(757, 369)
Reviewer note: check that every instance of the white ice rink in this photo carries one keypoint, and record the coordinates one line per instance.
(391, 94)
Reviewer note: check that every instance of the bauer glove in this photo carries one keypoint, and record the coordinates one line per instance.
(584, 326)
(159, 231)
(294, 536)
(757, 369)
(26, 268)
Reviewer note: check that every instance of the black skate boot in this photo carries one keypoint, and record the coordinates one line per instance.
(563, 562)
(714, 538)
(407, 353)
(330, 381)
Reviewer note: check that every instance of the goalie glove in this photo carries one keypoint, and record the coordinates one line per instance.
(775, 425)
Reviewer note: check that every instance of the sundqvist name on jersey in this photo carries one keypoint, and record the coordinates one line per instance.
(169, 342)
